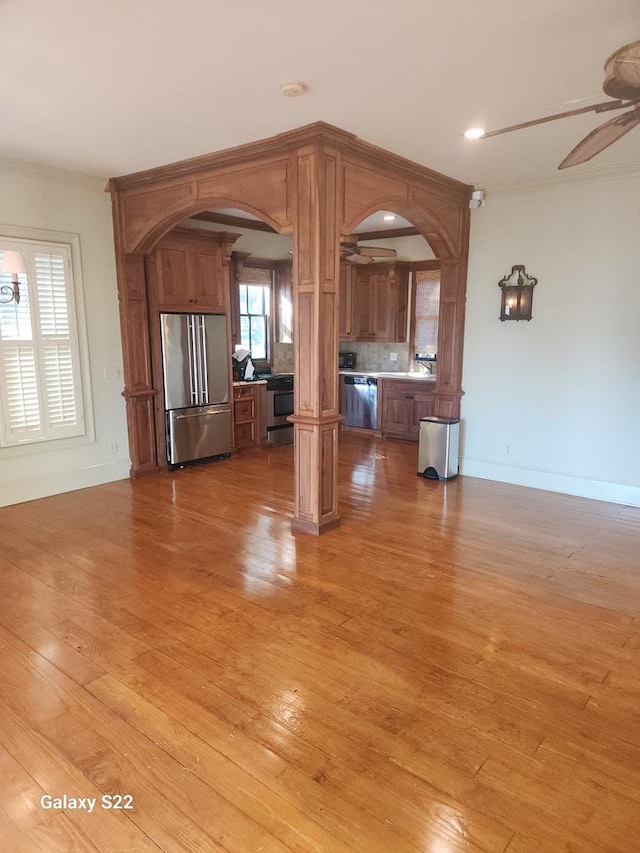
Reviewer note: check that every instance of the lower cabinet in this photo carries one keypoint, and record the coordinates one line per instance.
(249, 415)
(402, 404)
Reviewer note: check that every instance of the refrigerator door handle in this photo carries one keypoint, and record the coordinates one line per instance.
(203, 361)
(197, 350)
(201, 414)
(193, 359)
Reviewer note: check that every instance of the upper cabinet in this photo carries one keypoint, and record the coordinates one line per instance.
(345, 311)
(191, 271)
(373, 302)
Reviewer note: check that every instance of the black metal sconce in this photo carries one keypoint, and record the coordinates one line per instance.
(12, 263)
(517, 294)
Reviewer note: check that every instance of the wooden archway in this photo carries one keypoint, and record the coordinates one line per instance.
(314, 183)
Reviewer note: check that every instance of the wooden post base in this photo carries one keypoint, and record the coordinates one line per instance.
(316, 452)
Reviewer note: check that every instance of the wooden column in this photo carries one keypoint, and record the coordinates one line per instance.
(448, 392)
(139, 393)
(316, 271)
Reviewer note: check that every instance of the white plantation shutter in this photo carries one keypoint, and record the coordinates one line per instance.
(40, 387)
(23, 408)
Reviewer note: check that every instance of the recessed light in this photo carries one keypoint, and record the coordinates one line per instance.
(292, 89)
(389, 217)
(474, 133)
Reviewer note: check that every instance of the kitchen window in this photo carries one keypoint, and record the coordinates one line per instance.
(254, 290)
(425, 314)
(40, 375)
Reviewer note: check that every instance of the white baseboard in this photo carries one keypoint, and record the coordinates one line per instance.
(30, 489)
(619, 493)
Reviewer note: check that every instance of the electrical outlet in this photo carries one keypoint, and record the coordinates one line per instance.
(113, 447)
(112, 373)
(393, 356)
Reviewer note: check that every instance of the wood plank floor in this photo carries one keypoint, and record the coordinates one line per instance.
(455, 668)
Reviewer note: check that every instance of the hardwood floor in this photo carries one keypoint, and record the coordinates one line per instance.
(455, 668)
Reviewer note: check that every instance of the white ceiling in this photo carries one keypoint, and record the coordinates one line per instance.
(109, 88)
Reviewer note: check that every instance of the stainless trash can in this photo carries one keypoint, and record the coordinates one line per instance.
(438, 444)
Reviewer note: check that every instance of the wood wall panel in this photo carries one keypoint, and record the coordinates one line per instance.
(328, 354)
(305, 388)
(367, 188)
(141, 425)
(329, 437)
(306, 470)
(262, 188)
(305, 236)
(144, 210)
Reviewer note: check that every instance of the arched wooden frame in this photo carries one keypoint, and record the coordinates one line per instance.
(315, 183)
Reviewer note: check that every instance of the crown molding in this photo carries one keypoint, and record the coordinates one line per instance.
(52, 173)
(318, 133)
(588, 173)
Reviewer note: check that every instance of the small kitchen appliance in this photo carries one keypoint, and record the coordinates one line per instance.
(346, 361)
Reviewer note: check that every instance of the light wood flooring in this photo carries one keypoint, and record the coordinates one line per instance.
(455, 668)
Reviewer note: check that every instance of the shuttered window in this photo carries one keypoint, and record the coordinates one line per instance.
(254, 286)
(427, 309)
(40, 384)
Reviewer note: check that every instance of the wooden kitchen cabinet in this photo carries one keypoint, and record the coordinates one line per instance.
(345, 303)
(379, 307)
(191, 272)
(249, 414)
(402, 403)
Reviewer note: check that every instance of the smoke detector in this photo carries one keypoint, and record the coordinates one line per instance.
(292, 89)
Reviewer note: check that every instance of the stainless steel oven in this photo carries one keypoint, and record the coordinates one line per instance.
(279, 407)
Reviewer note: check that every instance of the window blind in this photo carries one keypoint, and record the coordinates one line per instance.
(40, 386)
(427, 286)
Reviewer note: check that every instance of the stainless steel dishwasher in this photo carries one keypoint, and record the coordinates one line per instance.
(361, 401)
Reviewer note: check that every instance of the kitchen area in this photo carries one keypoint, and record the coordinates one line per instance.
(230, 291)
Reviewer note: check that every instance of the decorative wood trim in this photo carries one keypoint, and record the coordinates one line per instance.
(388, 234)
(317, 182)
(317, 133)
(234, 221)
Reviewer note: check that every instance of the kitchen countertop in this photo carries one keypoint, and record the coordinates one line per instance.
(397, 374)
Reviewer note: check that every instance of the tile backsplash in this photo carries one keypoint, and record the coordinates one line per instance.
(282, 358)
(376, 357)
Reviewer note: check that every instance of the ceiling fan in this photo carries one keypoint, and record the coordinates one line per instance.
(355, 254)
(622, 82)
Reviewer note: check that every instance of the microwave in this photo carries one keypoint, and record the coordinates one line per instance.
(346, 360)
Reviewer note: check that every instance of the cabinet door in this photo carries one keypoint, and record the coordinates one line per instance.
(379, 304)
(396, 415)
(190, 275)
(172, 276)
(207, 290)
(422, 408)
(381, 289)
(403, 404)
(362, 320)
(345, 304)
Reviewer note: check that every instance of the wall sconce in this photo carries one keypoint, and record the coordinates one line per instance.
(13, 263)
(517, 294)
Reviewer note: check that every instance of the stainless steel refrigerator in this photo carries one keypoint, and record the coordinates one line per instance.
(195, 366)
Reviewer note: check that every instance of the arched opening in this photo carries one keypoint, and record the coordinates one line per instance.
(230, 264)
(316, 183)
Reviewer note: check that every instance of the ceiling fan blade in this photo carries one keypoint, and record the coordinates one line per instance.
(622, 72)
(359, 259)
(605, 106)
(602, 137)
(377, 252)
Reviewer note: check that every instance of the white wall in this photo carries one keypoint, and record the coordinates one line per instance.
(34, 198)
(554, 403)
